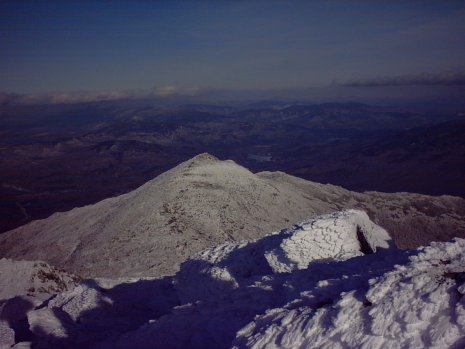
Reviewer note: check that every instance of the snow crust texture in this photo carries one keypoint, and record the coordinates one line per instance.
(420, 304)
(330, 282)
(336, 237)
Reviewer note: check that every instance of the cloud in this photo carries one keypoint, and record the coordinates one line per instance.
(427, 86)
(163, 92)
(10, 98)
(444, 79)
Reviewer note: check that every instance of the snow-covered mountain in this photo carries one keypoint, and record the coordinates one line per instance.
(205, 202)
(335, 281)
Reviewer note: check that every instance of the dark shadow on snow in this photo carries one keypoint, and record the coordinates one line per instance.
(213, 318)
(127, 307)
(14, 312)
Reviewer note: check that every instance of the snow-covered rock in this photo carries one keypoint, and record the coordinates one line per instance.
(331, 282)
(7, 335)
(390, 299)
(32, 278)
(420, 304)
(24, 286)
(99, 309)
(336, 237)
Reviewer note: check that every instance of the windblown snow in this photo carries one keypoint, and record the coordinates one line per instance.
(335, 281)
(205, 202)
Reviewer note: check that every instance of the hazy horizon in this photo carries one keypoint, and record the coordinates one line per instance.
(212, 51)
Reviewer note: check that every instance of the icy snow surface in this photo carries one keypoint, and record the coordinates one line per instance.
(330, 282)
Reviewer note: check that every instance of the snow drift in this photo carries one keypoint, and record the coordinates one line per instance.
(330, 282)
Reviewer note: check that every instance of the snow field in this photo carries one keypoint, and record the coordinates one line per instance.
(335, 281)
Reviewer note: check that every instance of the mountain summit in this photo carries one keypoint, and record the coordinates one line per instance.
(204, 202)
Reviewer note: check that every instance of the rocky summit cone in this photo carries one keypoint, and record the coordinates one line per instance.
(204, 202)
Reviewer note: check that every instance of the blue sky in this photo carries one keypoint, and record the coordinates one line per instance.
(64, 46)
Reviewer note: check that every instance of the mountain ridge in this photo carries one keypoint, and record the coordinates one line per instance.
(204, 202)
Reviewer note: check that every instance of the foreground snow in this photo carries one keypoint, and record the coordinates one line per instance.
(331, 282)
(419, 304)
(25, 285)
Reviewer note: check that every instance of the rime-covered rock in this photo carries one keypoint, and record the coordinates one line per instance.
(419, 304)
(333, 281)
(336, 237)
(32, 278)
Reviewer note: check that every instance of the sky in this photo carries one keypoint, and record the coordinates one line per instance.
(284, 47)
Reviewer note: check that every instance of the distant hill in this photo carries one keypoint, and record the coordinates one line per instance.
(426, 160)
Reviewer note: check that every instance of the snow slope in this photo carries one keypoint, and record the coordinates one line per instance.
(330, 282)
(205, 202)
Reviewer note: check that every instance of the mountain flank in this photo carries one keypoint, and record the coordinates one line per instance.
(204, 202)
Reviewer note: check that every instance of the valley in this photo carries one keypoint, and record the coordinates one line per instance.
(57, 157)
